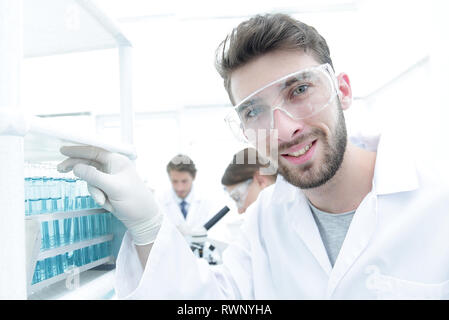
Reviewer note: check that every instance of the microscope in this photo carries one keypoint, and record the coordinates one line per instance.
(201, 246)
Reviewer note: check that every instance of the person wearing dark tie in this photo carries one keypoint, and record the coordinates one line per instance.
(182, 204)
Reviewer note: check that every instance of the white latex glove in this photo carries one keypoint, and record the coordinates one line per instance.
(114, 184)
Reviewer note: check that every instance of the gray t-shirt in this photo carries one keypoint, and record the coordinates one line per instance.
(333, 228)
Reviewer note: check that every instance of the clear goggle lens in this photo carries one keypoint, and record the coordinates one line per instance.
(300, 95)
(239, 193)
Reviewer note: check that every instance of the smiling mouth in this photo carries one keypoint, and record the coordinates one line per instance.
(301, 151)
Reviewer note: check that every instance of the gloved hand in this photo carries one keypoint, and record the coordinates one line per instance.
(114, 184)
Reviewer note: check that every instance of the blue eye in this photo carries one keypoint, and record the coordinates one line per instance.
(253, 112)
(300, 89)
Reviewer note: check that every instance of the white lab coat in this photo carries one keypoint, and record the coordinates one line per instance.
(396, 247)
(200, 209)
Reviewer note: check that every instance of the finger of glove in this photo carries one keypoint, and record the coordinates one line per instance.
(108, 206)
(94, 177)
(68, 164)
(87, 152)
(110, 161)
(97, 194)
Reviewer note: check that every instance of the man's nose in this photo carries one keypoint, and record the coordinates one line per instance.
(287, 127)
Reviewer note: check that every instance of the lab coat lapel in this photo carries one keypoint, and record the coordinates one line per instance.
(302, 221)
(394, 172)
(175, 212)
(193, 213)
(357, 239)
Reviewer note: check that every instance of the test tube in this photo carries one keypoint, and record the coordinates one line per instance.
(108, 217)
(97, 252)
(75, 234)
(35, 195)
(55, 201)
(64, 262)
(27, 182)
(85, 227)
(70, 194)
(77, 260)
(85, 202)
(39, 272)
(45, 235)
(67, 230)
(58, 265)
(48, 265)
(46, 194)
(57, 233)
(96, 225)
(91, 253)
(70, 260)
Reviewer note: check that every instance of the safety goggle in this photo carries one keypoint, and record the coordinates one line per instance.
(239, 193)
(299, 95)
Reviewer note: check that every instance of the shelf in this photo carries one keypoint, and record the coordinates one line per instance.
(42, 140)
(63, 26)
(42, 28)
(93, 285)
(40, 285)
(64, 215)
(73, 246)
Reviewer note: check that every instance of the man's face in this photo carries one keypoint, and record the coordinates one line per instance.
(182, 182)
(322, 136)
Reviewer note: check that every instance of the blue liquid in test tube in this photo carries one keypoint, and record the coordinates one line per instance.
(67, 230)
(27, 196)
(46, 195)
(97, 252)
(86, 255)
(70, 259)
(70, 194)
(77, 258)
(45, 235)
(58, 265)
(37, 273)
(95, 220)
(35, 201)
(48, 263)
(77, 195)
(75, 234)
(56, 233)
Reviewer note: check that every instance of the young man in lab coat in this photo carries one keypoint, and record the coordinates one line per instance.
(339, 223)
(182, 204)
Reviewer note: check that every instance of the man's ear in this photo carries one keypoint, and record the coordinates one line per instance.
(344, 90)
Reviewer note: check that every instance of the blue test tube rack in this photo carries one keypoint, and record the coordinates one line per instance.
(70, 218)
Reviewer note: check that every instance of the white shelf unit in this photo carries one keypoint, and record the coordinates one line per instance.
(30, 28)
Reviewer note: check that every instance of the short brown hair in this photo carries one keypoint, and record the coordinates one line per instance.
(243, 166)
(266, 33)
(181, 162)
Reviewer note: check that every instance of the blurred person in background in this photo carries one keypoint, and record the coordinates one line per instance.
(182, 204)
(243, 180)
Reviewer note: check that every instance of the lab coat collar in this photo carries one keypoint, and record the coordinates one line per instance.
(395, 169)
(284, 192)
